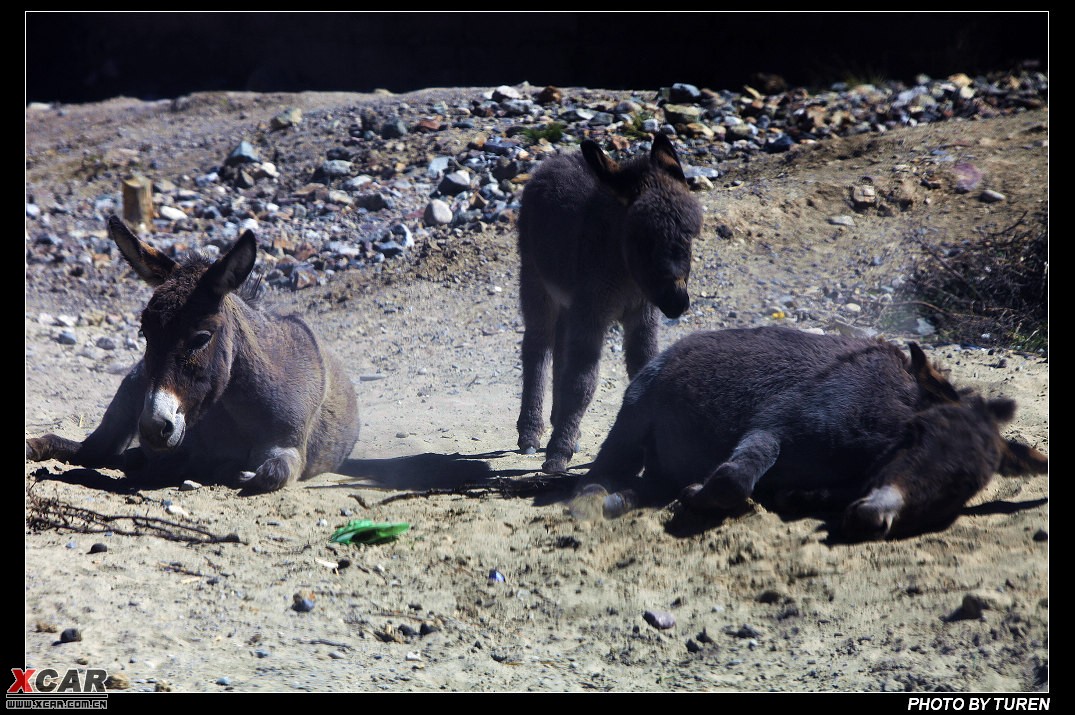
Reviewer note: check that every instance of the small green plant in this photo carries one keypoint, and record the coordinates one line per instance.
(551, 132)
(634, 128)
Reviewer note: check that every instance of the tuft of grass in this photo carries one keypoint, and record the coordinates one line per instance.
(993, 290)
(551, 132)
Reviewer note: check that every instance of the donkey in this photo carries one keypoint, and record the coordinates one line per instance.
(224, 389)
(839, 422)
(600, 241)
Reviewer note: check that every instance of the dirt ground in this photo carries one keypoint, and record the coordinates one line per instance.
(431, 340)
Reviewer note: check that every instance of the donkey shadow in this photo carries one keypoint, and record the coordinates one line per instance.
(429, 472)
(687, 523)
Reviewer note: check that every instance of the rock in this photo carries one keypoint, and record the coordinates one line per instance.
(66, 337)
(863, 196)
(576, 114)
(340, 198)
(334, 168)
(549, 95)
(242, 154)
(105, 343)
(682, 113)
(171, 213)
(303, 601)
(779, 143)
(117, 681)
(975, 602)
(841, 220)
(1041, 535)
(502, 147)
(437, 166)
(437, 213)
(744, 631)
(966, 177)
(683, 92)
(70, 635)
(223, 680)
(454, 183)
(661, 620)
(991, 197)
(189, 485)
(33, 210)
(852, 307)
(393, 129)
(290, 117)
(356, 183)
(373, 201)
(505, 92)
(98, 548)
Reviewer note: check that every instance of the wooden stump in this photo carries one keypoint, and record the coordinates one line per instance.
(138, 203)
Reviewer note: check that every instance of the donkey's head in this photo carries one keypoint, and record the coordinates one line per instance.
(188, 329)
(662, 220)
(948, 452)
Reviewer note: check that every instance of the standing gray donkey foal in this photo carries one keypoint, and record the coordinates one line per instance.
(225, 390)
(600, 241)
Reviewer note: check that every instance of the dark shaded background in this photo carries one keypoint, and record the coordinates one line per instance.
(79, 57)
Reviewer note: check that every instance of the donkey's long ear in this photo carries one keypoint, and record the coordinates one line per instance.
(663, 156)
(1018, 459)
(928, 378)
(602, 164)
(153, 266)
(231, 269)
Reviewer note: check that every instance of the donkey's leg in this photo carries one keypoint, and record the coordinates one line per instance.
(539, 315)
(581, 354)
(639, 338)
(279, 467)
(105, 446)
(732, 482)
(613, 483)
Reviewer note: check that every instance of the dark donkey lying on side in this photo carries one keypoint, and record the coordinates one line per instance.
(852, 423)
(600, 241)
(225, 390)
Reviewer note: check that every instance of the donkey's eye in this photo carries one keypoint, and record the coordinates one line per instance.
(199, 340)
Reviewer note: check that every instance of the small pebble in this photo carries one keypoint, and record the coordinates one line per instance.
(303, 601)
(70, 635)
(98, 548)
(189, 485)
(224, 680)
(841, 220)
(1041, 535)
(496, 577)
(991, 197)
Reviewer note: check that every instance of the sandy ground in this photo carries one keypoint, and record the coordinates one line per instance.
(761, 602)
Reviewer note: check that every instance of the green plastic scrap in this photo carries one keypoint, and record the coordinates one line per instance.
(364, 531)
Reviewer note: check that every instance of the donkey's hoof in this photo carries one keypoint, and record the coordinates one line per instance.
(554, 465)
(528, 450)
(588, 503)
(617, 504)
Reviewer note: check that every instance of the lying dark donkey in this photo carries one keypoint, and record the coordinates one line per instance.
(600, 241)
(851, 423)
(225, 391)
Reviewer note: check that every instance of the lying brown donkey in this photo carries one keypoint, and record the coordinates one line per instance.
(600, 241)
(225, 390)
(851, 423)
